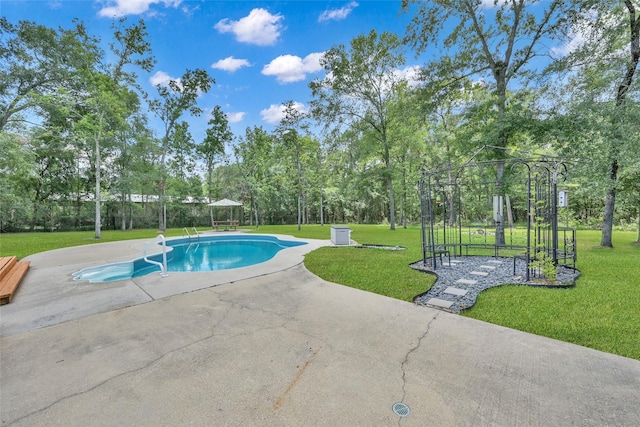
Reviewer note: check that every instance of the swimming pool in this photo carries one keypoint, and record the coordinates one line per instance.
(207, 253)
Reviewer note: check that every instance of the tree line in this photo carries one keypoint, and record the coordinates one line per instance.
(77, 149)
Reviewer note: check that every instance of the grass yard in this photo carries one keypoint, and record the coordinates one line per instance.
(601, 312)
(23, 244)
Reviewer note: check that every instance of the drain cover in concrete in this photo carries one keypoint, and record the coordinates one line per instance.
(455, 291)
(440, 303)
(401, 409)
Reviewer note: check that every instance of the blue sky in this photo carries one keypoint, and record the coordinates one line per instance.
(261, 53)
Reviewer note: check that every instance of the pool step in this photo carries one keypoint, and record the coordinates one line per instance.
(11, 273)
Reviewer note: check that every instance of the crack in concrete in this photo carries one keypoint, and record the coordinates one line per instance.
(152, 362)
(406, 359)
(110, 379)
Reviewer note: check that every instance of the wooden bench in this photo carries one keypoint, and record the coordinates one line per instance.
(11, 273)
(226, 224)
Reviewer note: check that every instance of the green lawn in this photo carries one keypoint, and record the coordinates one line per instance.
(601, 312)
(23, 244)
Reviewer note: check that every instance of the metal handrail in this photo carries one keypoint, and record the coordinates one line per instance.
(163, 264)
(186, 231)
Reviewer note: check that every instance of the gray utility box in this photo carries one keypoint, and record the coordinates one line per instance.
(341, 235)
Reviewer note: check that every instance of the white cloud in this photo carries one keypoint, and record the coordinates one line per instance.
(337, 14)
(291, 68)
(274, 114)
(490, 4)
(161, 78)
(235, 117)
(133, 7)
(230, 64)
(411, 74)
(260, 27)
(573, 44)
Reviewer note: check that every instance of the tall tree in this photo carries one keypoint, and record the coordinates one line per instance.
(497, 41)
(359, 82)
(36, 63)
(606, 62)
(218, 134)
(176, 98)
(108, 95)
(253, 155)
(289, 131)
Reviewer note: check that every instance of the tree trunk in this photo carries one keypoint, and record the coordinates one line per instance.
(130, 213)
(392, 204)
(500, 222)
(123, 210)
(255, 211)
(389, 179)
(98, 225)
(609, 207)
(621, 96)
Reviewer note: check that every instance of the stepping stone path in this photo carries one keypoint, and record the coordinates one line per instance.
(462, 292)
(460, 281)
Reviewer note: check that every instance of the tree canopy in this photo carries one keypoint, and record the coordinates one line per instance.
(83, 146)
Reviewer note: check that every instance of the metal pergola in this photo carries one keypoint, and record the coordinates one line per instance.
(463, 211)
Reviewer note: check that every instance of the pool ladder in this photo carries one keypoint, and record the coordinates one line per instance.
(196, 234)
(163, 264)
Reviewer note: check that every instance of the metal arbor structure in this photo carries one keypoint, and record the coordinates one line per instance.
(463, 207)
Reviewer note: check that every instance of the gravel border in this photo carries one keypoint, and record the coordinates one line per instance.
(502, 274)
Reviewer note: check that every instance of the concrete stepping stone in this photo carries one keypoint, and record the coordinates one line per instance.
(494, 262)
(488, 267)
(451, 264)
(479, 273)
(455, 291)
(440, 303)
(467, 281)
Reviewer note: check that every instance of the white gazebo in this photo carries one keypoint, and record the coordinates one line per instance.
(224, 203)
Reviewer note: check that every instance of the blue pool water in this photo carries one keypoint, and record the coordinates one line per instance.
(209, 253)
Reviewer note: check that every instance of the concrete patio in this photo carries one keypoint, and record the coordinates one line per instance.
(274, 345)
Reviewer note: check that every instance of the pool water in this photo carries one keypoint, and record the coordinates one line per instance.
(209, 253)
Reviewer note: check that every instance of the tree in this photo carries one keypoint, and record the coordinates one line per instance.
(253, 155)
(604, 68)
(359, 83)
(178, 97)
(16, 171)
(288, 131)
(37, 62)
(107, 93)
(500, 45)
(133, 147)
(217, 136)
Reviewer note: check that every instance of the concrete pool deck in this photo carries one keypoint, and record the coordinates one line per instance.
(278, 346)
